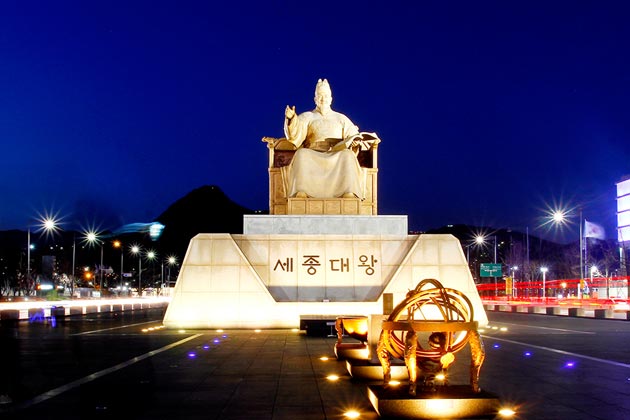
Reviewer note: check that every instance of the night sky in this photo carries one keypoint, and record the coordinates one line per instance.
(489, 112)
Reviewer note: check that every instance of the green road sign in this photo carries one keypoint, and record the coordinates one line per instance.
(490, 270)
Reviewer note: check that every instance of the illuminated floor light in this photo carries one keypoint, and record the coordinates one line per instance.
(145, 330)
(219, 331)
(569, 365)
(256, 331)
(440, 376)
(192, 355)
(506, 412)
(181, 331)
(394, 383)
(503, 329)
(224, 336)
(323, 358)
(206, 347)
(496, 346)
(294, 330)
(495, 328)
(332, 377)
(528, 354)
(352, 414)
(216, 341)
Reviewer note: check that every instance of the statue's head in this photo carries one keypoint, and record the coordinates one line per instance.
(323, 95)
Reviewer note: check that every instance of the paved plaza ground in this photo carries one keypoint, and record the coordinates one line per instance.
(111, 366)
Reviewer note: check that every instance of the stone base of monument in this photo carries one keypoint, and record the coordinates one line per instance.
(352, 351)
(448, 402)
(369, 371)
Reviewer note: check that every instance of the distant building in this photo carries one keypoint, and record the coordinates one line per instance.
(623, 211)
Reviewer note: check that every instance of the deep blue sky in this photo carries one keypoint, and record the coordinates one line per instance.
(488, 111)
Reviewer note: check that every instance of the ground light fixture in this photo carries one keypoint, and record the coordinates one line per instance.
(506, 413)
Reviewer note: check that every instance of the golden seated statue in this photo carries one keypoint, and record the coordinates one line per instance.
(323, 165)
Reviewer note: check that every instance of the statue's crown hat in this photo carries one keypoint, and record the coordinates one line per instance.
(322, 84)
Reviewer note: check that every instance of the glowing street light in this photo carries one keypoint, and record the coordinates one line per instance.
(118, 244)
(481, 240)
(544, 270)
(92, 238)
(48, 225)
(151, 256)
(135, 250)
(514, 270)
(171, 260)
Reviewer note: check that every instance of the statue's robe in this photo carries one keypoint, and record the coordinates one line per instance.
(323, 166)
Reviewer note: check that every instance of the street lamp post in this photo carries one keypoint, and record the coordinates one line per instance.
(151, 255)
(171, 260)
(135, 249)
(593, 271)
(544, 288)
(118, 244)
(481, 240)
(514, 269)
(47, 224)
(92, 238)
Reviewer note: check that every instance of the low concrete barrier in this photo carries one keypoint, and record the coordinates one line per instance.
(576, 312)
(45, 312)
(603, 313)
(564, 310)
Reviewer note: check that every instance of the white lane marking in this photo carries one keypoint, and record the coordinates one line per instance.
(96, 375)
(113, 328)
(545, 328)
(567, 353)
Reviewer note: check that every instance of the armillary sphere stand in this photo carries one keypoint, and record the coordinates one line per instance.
(425, 330)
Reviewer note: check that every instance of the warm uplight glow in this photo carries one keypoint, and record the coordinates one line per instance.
(256, 331)
(323, 358)
(352, 414)
(181, 331)
(503, 329)
(394, 383)
(506, 412)
(437, 404)
(332, 377)
(440, 376)
(219, 331)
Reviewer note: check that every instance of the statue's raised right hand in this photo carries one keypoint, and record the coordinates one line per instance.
(289, 112)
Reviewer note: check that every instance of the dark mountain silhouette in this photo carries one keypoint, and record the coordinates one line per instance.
(204, 210)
